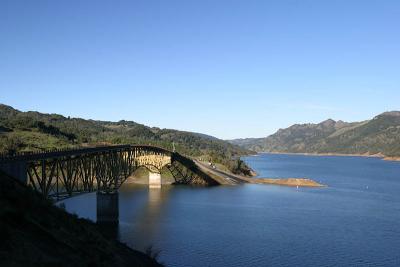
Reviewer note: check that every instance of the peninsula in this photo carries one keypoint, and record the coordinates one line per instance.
(294, 182)
(230, 178)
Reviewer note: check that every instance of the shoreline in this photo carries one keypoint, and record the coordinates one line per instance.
(391, 158)
(291, 182)
(365, 155)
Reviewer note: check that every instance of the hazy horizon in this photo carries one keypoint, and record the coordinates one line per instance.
(227, 69)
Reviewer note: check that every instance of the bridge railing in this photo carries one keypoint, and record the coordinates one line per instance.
(43, 154)
(35, 155)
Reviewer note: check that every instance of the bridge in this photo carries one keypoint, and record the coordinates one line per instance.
(59, 174)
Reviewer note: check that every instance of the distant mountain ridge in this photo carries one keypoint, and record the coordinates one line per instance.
(380, 135)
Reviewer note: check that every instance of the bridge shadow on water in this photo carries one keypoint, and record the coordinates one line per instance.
(140, 210)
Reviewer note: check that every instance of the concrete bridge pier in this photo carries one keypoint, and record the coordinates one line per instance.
(107, 207)
(154, 180)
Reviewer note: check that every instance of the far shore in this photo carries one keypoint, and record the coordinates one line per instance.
(367, 155)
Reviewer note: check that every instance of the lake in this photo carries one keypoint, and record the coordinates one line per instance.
(355, 221)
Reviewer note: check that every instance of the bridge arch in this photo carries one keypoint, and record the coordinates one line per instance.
(64, 173)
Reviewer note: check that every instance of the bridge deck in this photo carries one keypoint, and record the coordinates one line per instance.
(33, 156)
(62, 173)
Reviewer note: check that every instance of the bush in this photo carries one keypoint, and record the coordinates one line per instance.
(10, 144)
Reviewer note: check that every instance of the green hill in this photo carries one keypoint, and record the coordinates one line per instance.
(28, 131)
(380, 135)
(34, 232)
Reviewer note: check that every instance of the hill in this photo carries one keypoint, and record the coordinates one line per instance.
(380, 135)
(29, 131)
(34, 232)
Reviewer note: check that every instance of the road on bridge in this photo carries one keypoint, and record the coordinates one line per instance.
(229, 178)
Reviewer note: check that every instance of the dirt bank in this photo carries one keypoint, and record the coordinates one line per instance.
(392, 158)
(300, 182)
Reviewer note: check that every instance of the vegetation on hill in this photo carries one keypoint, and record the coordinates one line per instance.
(30, 131)
(381, 135)
(34, 232)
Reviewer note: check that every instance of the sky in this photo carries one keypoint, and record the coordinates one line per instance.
(228, 68)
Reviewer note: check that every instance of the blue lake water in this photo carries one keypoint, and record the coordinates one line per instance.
(355, 221)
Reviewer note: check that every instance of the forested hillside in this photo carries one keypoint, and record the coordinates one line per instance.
(29, 131)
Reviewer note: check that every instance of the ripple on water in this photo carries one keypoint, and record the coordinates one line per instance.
(261, 225)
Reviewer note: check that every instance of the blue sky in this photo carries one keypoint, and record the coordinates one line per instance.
(226, 68)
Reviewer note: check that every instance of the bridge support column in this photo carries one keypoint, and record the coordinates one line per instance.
(107, 207)
(17, 170)
(154, 180)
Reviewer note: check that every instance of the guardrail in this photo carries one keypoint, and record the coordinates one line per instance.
(37, 155)
(43, 154)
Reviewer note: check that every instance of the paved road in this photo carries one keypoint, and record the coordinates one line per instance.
(228, 177)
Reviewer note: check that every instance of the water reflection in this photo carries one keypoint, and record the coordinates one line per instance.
(144, 225)
(260, 225)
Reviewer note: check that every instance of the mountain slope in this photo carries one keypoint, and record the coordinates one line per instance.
(27, 131)
(34, 232)
(379, 135)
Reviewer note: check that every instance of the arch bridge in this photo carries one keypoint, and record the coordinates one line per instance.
(60, 174)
